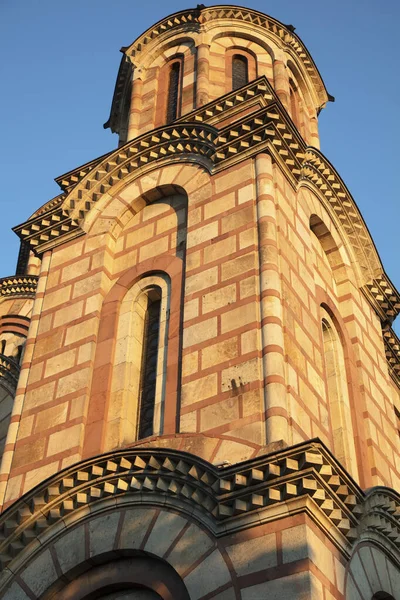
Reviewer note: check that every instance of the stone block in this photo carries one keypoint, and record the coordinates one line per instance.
(208, 576)
(67, 438)
(219, 413)
(199, 389)
(134, 527)
(253, 555)
(201, 281)
(218, 353)
(220, 249)
(219, 298)
(238, 317)
(200, 332)
(73, 382)
(60, 362)
(166, 528)
(71, 549)
(40, 574)
(102, 532)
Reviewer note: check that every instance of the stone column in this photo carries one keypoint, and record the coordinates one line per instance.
(281, 80)
(202, 70)
(314, 134)
(136, 105)
(276, 414)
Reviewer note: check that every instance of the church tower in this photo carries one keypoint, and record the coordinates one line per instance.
(199, 383)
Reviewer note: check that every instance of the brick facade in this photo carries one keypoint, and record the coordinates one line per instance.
(275, 443)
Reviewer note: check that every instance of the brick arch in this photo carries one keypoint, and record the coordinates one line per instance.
(155, 543)
(127, 574)
(373, 571)
(160, 53)
(98, 409)
(135, 191)
(357, 404)
(314, 203)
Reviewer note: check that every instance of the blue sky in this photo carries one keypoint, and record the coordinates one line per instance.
(59, 65)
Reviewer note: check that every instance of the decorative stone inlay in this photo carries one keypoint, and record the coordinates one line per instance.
(21, 286)
(223, 495)
(9, 372)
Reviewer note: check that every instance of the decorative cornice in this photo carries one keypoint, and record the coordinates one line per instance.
(384, 298)
(305, 470)
(319, 171)
(392, 351)
(9, 373)
(18, 286)
(381, 514)
(69, 180)
(269, 126)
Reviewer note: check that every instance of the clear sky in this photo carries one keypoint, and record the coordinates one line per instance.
(59, 62)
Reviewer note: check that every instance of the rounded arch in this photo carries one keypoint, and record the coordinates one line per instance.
(160, 53)
(373, 571)
(123, 516)
(129, 196)
(144, 572)
(357, 406)
(96, 438)
(242, 37)
(314, 203)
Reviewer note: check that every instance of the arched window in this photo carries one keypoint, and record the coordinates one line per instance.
(240, 71)
(382, 596)
(174, 90)
(140, 361)
(338, 394)
(148, 375)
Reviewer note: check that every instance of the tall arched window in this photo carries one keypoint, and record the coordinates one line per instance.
(240, 71)
(140, 361)
(148, 375)
(338, 395)
(174, 90)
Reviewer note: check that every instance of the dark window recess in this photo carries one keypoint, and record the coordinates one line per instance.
(23, 258)
(397, 413)
(173, 92)
(147, 390)
(240, 71)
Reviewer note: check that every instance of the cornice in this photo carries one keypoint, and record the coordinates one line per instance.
(319, 171)
(392, 351)
(223, 496)
(18, 286)
(61, 218)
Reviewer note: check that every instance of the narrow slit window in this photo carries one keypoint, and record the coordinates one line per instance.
(174, 92)
(148, 377)
(240, 71)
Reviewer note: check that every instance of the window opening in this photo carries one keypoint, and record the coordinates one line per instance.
(148, 377)
(240, 71)
(173, 92)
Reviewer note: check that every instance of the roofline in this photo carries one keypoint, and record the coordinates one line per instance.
(195, 13)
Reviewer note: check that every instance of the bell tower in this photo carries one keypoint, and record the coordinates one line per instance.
(208, 394)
